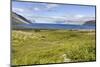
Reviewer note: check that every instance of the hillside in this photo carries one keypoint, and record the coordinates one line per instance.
(91, 22)
(48, 46)
(18, 19)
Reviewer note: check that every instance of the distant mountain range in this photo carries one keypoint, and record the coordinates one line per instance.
(20, 22)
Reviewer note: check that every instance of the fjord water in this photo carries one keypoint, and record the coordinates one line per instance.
(54, 26)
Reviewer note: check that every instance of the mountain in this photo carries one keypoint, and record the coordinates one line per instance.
(20, 22)
(18, 19)
(91, 22)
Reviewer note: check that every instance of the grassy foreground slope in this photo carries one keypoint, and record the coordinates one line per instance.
(48, 46)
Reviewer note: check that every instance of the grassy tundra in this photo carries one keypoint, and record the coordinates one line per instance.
(52, 46)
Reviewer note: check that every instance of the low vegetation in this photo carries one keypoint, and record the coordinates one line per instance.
(52, 46)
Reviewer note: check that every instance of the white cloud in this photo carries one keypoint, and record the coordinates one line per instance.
(18, 9)
(45, 7)
(79, 16)
(36, 9)
(51, 6)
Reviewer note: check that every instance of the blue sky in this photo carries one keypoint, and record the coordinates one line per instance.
(31, 9)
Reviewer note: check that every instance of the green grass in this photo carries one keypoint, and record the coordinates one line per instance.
(48, 46)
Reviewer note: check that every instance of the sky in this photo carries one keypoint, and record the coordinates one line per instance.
(43, 12)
